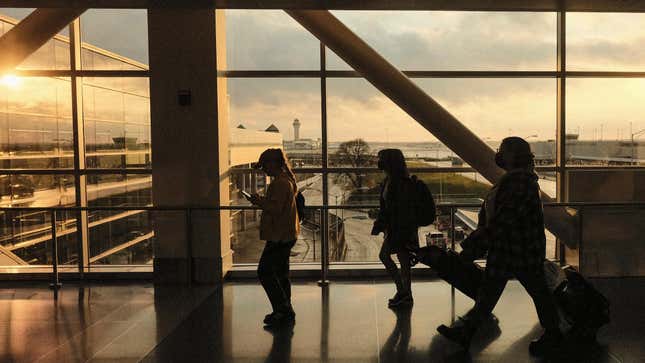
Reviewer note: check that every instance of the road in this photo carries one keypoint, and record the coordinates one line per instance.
(361, 245)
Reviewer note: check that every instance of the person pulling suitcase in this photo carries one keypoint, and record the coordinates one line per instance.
(511, 233)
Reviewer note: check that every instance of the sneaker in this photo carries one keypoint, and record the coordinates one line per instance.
(268, 317)
(461, 332)
(280, 317)
(394, 299)
(548, 343)
(403, 301)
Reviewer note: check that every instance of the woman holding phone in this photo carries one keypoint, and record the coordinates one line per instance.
(279, 227)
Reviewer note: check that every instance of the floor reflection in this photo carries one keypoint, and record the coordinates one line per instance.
(396, 346)
(345, 322)
(281, 345)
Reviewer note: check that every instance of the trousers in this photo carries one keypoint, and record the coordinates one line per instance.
(533, 282)
(273, 272)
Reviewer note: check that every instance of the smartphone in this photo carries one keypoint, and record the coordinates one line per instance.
(246, 194)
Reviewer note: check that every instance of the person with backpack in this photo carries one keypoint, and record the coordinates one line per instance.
(511, 233)
(279, 227)
(398, 219)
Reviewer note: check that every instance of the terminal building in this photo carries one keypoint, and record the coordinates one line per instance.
(129, 130)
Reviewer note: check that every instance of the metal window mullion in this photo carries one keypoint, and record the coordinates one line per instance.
(80, 179)
(324, 256)
(561, 118)
(561, 104)
(354, 74)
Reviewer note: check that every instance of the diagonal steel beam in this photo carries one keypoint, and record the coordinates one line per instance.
(10, 258)
(31, 33)
(413, 100)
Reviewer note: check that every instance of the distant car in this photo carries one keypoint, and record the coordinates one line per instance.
(19, 190)
(436, 239)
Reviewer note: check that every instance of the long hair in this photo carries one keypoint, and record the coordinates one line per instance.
(279, 156)
(393, 162)
(523, 158)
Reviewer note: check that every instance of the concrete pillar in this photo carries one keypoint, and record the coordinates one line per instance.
(190, 143)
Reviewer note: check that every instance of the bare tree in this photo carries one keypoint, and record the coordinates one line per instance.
(355, 153)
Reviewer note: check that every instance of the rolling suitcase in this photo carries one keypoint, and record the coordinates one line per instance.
(583, 310)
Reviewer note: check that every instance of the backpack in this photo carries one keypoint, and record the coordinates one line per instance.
(424, 207)
(300, 206)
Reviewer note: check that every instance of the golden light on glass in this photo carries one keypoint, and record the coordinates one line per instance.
(9, 80)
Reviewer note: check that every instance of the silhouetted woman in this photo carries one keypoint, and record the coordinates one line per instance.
(397, 221)
(511, 232)
(279, 227)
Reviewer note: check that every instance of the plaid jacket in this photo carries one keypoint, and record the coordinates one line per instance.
(513, 222)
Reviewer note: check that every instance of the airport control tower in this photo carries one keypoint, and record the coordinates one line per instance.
(296, 129)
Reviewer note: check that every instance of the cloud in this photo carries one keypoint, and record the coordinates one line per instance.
(124, 32)
(357, 109)
(258, 103)
(525, 109)
(446, 41)
(268, 39)
(607, 55)
(458, 41)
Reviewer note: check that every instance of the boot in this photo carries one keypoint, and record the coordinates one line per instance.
(461, 332)
(281, 316)
(394, 299)
(548, 343)
(268, 317)
(403, 300)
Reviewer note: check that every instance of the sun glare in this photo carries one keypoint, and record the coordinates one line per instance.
(10, 80)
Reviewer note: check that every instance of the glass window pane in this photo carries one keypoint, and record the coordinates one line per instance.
(26, 236)
(113, 190)
(254, 181)
(52, 55)
(601, 124)
(116, 114)
(114, 39)
(491, 108)
(269, 113)
(268, 40)
(245, 223)
(36, 123)
(363, 188)
(247, 246)
(350, 238)
(16, 14)
(605, 42)
(436, 40)
(120, 237)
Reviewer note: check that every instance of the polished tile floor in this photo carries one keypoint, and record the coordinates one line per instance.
(96, 323)
(346, 322)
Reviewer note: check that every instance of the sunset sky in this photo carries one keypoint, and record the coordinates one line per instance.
(493, 108)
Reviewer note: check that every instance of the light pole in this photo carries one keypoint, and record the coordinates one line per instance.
(632, 143)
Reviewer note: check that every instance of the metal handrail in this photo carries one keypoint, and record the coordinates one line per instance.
(188, 210)
(313, 207)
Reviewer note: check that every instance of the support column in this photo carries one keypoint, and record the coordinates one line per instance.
(80, 180)
(190, 144)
